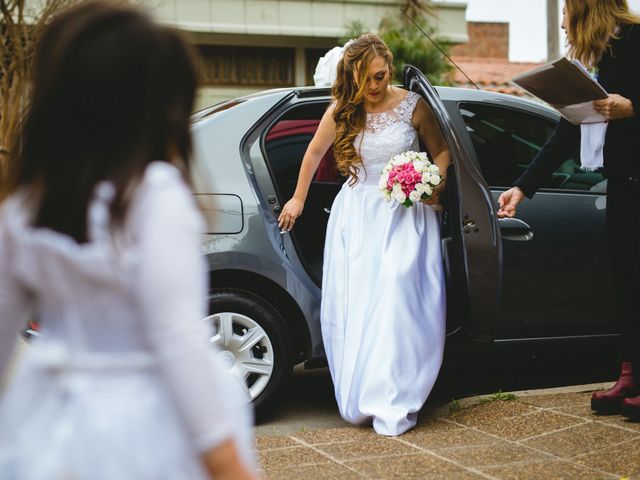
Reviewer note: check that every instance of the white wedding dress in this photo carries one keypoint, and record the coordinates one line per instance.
(383, 290)
(123, 383)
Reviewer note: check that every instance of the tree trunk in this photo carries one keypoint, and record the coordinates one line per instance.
(21, 24)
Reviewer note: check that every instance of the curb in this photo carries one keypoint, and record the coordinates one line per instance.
(467, 402)
(589, 387)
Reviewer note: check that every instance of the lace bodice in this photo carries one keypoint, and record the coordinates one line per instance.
(386, 134)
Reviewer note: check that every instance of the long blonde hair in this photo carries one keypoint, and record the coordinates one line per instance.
(591, 27)
(348, 91)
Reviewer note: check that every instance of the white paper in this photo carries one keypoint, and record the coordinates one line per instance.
(581, 113)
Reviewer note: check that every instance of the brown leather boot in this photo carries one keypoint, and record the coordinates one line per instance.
(630, 408)
(608, 402)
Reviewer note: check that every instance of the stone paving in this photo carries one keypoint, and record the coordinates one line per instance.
(544, 436)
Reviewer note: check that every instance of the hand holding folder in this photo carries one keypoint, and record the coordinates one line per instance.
(567, 86)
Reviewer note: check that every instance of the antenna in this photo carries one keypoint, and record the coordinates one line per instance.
(438, 47)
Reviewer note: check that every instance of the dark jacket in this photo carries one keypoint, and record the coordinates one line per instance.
(618, 72)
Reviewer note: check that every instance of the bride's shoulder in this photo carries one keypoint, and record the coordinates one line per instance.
(399, 93)
(407, 105)
(412, 97)
(406, 98)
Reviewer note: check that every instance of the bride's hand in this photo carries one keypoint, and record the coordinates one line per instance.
(290, 213)
(434, 199)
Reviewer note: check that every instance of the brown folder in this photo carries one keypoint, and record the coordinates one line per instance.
(566, 86)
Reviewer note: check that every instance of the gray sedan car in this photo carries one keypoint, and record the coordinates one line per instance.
(510, 282)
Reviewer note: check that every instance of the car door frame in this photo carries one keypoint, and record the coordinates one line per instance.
(289, 244)
(476, 220)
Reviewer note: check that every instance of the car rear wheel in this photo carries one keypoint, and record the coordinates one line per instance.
(252, 337)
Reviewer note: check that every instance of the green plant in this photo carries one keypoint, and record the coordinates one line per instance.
(411, 47)
(408, 44)
(499, 395)
(353, 29)
(455, 406)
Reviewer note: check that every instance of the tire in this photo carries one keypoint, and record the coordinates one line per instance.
(255, 343)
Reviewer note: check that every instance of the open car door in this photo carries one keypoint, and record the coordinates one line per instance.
(470, 235)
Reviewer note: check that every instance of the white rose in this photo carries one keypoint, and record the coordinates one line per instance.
(435, 169)
(382, 183)
(400, 197)
(414, 196)
(419, 166)
(428, 190)
(426, 177)
(420, 187)
(435, 179)
(397, 188)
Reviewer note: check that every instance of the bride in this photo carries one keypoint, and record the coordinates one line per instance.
(383, 296)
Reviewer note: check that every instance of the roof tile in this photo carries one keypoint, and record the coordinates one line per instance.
(493, 74)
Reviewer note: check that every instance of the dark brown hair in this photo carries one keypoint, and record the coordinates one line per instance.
(348, 91)
(112, 92)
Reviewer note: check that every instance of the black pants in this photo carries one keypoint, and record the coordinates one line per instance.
(623, 218)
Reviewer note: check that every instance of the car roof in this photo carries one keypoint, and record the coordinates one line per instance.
(447, 94)
(476, 95)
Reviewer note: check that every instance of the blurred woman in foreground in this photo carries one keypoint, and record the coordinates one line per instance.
(99, 240)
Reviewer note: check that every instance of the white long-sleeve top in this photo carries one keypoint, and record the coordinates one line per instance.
(140, 293)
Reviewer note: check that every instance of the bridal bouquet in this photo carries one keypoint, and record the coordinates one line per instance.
(409, 177)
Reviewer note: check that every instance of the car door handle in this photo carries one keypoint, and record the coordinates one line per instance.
(327, 210)
(515, 229)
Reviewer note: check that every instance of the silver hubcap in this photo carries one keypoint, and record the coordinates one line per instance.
(245, 349)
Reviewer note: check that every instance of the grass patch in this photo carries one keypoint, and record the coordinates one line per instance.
(455, 406)
(499, 395)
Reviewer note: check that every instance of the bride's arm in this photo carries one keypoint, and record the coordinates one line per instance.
(319, 145)
(429, 132)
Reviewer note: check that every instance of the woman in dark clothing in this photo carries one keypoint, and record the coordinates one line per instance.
(605, 36)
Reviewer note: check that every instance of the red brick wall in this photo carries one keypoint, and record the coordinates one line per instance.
(486, 40)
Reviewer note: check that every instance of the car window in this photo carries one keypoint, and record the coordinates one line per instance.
(286, 143)
(506, 140)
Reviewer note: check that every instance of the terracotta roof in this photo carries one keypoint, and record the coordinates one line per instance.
(491, 73)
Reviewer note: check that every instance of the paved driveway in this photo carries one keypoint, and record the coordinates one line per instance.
(539, 435)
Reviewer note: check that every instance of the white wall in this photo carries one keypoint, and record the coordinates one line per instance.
(303, 18)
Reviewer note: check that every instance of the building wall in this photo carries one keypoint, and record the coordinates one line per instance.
(486, 40)
(304, 29)
(295, 18)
